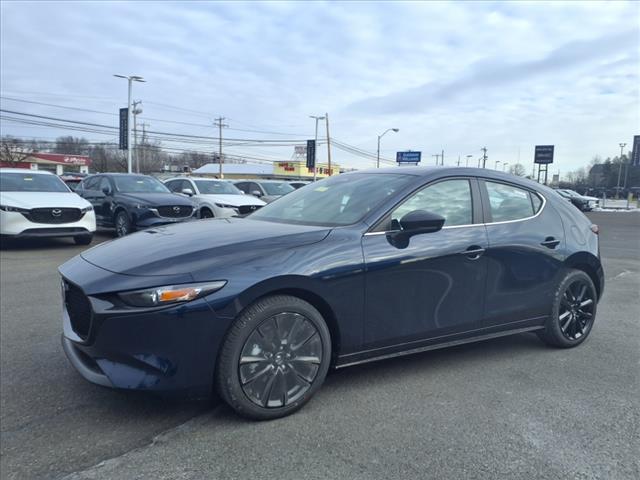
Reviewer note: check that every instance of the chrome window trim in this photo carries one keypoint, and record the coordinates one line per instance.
(544, 203)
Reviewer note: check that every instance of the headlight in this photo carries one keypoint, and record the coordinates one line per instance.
(224, 205)
(157, 296)
(7, 208)
(87, 209)
(142, 206)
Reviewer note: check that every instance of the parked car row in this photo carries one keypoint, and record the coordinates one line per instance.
(41, 204)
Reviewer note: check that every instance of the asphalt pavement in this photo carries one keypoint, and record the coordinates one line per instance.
(507, 408)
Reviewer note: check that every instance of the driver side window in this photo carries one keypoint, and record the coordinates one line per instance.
(449, 198)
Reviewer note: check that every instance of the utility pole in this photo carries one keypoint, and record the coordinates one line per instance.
(144, 126)
(458, 160)
(136, 111)
(622, 145)
(130, 79)
(326, 117)
(442, 158)
(219, 122)
(437, 158)
(468, 157)
(484, 157)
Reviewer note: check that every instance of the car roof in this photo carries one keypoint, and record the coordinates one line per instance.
(25, 170)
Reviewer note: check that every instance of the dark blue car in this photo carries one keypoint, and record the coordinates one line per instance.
(358, 267)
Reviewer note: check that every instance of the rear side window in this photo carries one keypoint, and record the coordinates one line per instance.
(511, 203)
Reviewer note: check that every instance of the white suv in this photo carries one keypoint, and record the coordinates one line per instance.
(39, 204)
(215, 198)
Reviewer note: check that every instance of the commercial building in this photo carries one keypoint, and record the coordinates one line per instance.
(54, 162)
(285, 170)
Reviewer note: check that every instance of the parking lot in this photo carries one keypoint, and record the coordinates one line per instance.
(506, 408)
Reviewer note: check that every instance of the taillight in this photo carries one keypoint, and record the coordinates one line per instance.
(595, 229)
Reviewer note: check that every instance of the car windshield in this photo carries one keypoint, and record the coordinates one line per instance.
(340, 200)
(29, 182)
(216, 187)
(139, 184)
(277, 188)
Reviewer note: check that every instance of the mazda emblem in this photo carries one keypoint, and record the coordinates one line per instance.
(176, 209)
(56, 212)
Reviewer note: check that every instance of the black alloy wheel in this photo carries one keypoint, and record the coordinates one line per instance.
(280, 360)
(123, 224)
(576, 310)
(274, 358)
(573, 313)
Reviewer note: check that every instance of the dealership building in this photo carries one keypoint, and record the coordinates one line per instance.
(286, 170)
(57, 163)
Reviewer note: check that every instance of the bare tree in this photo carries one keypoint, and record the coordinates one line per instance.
(518, 170)
(14, 150)
(71, 145)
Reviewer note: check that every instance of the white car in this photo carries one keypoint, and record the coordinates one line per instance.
(39, 204)
(215, 198)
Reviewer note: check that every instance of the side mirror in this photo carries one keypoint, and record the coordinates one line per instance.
(256, 193)
(421, 221)
(415, 223)
(188, 192)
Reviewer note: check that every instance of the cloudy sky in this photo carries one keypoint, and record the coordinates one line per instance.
(453, 76)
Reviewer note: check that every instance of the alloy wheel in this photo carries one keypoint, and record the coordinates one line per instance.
(575, 315)
(280, 360)
(122, 227)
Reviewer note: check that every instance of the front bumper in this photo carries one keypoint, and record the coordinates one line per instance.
(14, 224)
(171, 349)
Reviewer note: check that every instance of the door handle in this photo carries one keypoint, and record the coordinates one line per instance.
(550, 242)
(473, 252)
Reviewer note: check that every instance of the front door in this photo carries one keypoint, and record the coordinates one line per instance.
(435, 285)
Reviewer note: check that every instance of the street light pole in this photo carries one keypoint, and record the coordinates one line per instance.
(622, 145)
(379, 137)
(496, 165)
(130, 80)
(315, 151)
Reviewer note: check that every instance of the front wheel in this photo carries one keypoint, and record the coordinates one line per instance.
(206, 213)
(574, 311)
(274, 358)
(123, 224)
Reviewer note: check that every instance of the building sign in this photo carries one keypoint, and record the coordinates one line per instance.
(124, 128)
(408, 157)
(543, 154)
(635, 153)
(311, 153)
(58, 158)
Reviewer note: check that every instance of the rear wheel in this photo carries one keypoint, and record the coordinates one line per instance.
(274, 358)
(574, 311)
(123, 224)
(83, 239)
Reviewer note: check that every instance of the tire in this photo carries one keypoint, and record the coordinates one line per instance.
(83, 239)
(574, 311)
(122, 224)
(274, 358)
(206, 213)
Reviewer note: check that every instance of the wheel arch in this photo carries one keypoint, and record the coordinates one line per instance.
(589, 264)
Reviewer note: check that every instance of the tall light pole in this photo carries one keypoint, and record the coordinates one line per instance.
(315, 150)
(496, 165)
(379, 137)
(468, 157)
(136, 111)
(130, 80)
(622, 145)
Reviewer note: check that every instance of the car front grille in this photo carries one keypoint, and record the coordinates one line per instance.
(177, 211)
(78, 308)
(246, 209)
(54, 215)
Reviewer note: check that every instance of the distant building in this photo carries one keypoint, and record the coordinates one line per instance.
(280, 170)
(57, 163)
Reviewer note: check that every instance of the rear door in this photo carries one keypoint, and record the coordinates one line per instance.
(434, 285)
(525, 254)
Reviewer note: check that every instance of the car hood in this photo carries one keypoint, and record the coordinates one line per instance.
(234, 200)
(193, 246)
(156, 199)
(43, 200)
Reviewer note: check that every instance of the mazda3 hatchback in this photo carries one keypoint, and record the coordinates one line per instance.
(358, 267)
